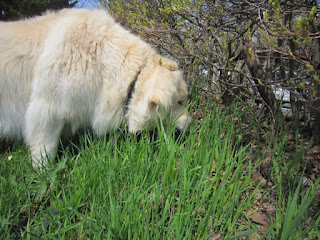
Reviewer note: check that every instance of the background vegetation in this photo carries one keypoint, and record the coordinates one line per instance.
(240, 48)
(246, 170)
(17, 9)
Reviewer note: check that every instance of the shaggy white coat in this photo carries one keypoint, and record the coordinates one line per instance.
(73, 69)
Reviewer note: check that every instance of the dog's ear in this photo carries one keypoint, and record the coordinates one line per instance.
(168, 64)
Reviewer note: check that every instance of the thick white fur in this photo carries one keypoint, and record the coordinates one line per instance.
(74, 69)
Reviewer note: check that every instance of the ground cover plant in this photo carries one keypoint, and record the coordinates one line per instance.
(208, 184)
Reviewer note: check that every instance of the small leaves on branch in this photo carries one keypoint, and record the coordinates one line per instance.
(309, 67)
(301, 26)
(312, 14)
(249, 35)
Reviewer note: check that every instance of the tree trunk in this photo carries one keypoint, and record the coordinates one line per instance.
(259, 77)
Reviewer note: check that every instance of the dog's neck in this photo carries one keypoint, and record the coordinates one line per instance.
(130, 92)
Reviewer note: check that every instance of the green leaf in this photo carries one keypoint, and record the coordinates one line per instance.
(305, 42)
(249, 34)
(312, 14)
(291, 54)
(309, 67)
(313, 91)
(266, 16)
(291, 82)
(301, 26)
(231, 59)
(296, 42)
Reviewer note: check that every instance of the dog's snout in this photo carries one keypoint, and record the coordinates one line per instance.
(183, 122)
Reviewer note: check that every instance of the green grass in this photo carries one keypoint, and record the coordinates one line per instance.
(198, 186)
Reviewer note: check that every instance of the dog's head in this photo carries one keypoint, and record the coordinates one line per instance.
(160, 91)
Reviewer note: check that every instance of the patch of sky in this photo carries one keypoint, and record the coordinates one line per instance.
(89, 4)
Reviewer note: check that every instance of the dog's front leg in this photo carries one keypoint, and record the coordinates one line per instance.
(43, 129)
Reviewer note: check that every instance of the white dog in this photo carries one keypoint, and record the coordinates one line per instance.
(78, 68)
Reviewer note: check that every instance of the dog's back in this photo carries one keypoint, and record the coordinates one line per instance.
(20, 46)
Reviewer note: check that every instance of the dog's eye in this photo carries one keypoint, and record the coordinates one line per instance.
(180, 103)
